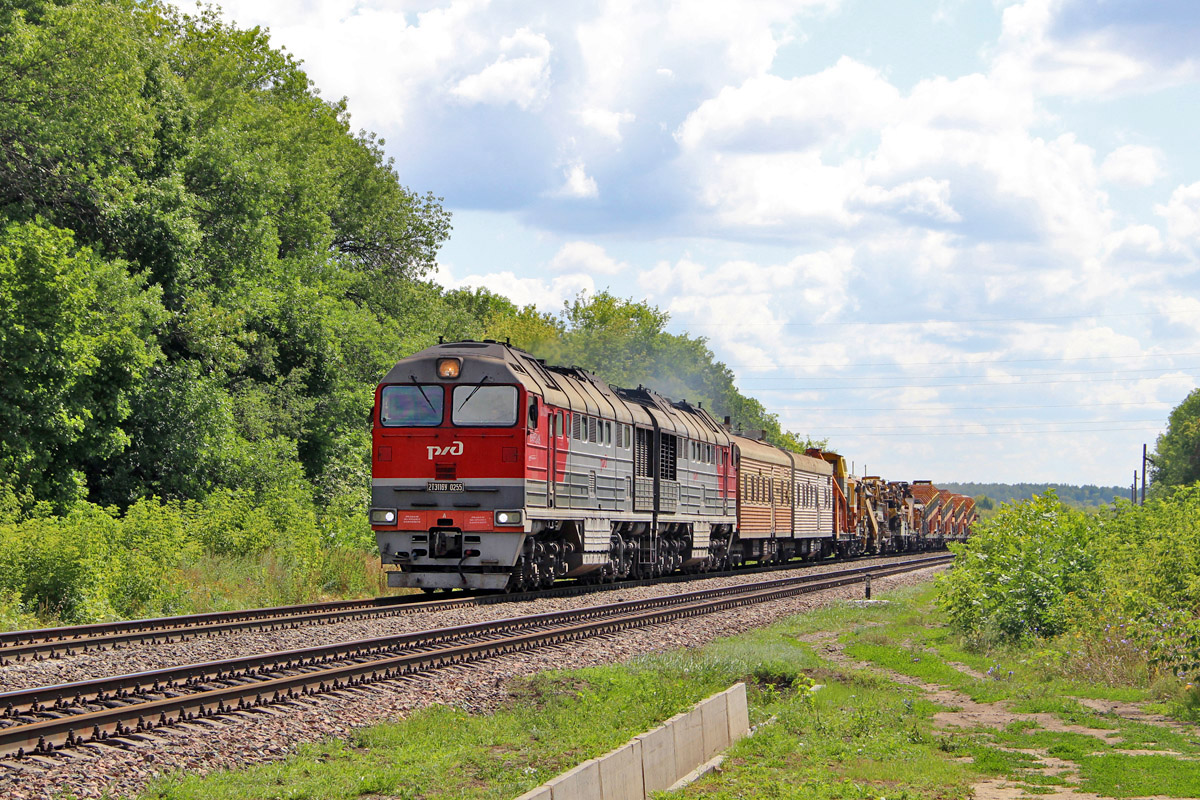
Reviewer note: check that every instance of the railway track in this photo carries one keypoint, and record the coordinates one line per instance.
(44, 643)
(41, 721)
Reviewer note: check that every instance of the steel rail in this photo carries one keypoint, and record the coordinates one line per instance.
(45, 736)
(41, 643)
(65, 695)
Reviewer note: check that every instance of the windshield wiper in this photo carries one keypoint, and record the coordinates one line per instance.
(421, 389)
(472, 394)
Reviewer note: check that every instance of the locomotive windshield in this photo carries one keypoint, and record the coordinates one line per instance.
(411, 406)
(484, 405)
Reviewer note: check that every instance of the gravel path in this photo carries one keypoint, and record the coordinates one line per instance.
(254, 737)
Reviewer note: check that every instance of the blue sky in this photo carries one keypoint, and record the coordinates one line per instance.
(956, 238)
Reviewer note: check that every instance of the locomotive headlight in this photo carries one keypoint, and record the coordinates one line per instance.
(448, 368)
(383, 516)
(508, 517)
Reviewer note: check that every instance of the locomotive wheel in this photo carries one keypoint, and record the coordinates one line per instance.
(516, 580)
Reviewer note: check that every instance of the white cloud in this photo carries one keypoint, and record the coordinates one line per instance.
(606, 123)
(1180, 310)
(522, 80)
(1182, 213)
(775, 190)
(743, 306)
(384, 59)
(1135, 241)
(1102, 58)
(577, 183)
(547, 295)
(1132, 165)
(770, 113)
(924, 197)
(586, 257)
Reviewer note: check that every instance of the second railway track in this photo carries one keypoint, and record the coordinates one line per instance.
(42, 643)
(43, 720)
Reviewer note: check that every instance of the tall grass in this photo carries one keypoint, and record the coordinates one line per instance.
(233, 550)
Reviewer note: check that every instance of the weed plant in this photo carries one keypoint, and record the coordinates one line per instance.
(233, 550)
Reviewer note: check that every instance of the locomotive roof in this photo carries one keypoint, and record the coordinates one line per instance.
(771, 454)
(572, 388)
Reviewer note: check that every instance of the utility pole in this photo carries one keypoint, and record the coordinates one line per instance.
(1145, 458)
(1133, 489)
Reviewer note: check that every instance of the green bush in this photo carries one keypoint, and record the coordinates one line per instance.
(1125, 580)
(233, 549)
(1013, 577)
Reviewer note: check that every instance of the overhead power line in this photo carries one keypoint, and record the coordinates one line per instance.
(1019, 375)
(955, 363)
(998, 433)
(993, 384)
(990, 425)
(906, 409)
(913, 322)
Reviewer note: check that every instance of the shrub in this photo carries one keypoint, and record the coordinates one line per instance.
(234, 549)
(1013, 577)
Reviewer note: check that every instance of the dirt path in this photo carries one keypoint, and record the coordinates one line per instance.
(970, 714)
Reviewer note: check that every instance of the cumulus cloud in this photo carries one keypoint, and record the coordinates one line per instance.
(547, 295)
(577, 183)
(604, 122)
(1132, 165)
(1081, 48)
(767, 112)
(1182, 213)
(586, 257)
(924, 197)
(1180, 310)
(520, 74)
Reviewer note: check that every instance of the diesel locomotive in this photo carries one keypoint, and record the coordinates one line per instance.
(492, 469)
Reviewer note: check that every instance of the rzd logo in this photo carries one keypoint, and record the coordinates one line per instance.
(455, 449)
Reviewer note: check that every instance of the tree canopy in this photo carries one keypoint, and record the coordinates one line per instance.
(205, 269)
(1176, 460)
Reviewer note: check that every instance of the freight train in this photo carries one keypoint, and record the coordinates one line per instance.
(494, 470)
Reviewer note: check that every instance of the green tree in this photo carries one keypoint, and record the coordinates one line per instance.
(1176, 460)
(285, 251)
(75, 342)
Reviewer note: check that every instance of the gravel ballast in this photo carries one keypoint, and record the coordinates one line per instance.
(141, 657)
(255, 737)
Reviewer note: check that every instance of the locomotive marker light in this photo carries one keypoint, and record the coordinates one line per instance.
(448, 368)
(383, 516)
(508, 517)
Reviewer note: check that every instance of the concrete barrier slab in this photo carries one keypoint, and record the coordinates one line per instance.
(658, 759)
(621, 773)
(714, 717)
(739, 711)
(580, 783)
(689, 741)
(540, 793)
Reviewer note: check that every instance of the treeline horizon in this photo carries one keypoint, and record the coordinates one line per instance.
(1080, 496)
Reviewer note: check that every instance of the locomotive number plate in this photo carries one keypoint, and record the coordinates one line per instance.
(442, 486)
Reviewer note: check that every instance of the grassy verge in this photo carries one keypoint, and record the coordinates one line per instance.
(858, 702)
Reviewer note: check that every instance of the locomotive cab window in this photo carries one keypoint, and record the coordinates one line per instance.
(533, 412)
(484, 406)
(411, 406)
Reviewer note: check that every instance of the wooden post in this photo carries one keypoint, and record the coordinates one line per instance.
(1144, 458)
